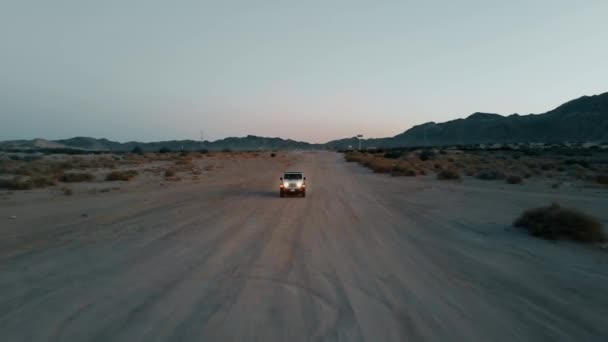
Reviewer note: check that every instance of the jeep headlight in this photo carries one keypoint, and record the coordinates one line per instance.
(285, 184)
(299, 184)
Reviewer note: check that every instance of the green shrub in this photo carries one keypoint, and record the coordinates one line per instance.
(273, 155)
(554, 222)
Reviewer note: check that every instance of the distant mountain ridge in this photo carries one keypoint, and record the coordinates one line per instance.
(582, 119)
(250, 142)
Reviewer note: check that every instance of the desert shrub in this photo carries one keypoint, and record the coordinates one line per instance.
(392, 155)
(448, 174)
(16, 183)
(514, 179)
(443, 152)
(582, 163)
(67, 191)
(164, 149)
(183, 161)
(121, 175)
(547, 167)
(169, 172)
(555, 222)
(137, 150)
(490, 175)
(352, 157)
(602, 179)
(76, 177)
(272, 155)
(402, 171)
(226, 150)
(203, 151)
(426, 155)
(41, 182)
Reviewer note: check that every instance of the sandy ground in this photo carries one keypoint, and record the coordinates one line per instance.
(364, 257)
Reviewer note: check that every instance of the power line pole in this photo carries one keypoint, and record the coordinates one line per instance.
(359, 136)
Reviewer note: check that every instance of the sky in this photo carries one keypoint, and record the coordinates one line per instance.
(306, 70)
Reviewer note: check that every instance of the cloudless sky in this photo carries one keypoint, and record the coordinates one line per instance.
(307, 70)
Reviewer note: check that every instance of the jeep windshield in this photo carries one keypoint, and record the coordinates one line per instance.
(292, 176)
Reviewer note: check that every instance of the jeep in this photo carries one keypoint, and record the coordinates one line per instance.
(292, 183)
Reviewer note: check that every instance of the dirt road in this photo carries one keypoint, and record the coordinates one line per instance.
(363, 257)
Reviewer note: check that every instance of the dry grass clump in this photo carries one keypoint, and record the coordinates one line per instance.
(448, 174)
(121, 175)
(76, 177)
(67, 191)
(555, 222)
(514, 179)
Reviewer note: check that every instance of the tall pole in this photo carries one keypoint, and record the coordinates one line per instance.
(359, 136)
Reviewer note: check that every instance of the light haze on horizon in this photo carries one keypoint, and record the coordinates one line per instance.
(306, 70)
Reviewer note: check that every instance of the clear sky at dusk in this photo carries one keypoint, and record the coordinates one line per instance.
(306, 70)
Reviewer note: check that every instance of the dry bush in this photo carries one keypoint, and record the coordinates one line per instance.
(379, 165)
(16, 183)
(272, 155)
(402, 171)
(554, 222)
(490, 175)
(514, 179)
(448, 174)
(353, 157)
(169, 172)
(602, 179)
(76, 177)
(121, 175)
(41, 181)
(67, 191)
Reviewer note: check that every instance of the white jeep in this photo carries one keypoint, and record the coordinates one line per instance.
(292, 183)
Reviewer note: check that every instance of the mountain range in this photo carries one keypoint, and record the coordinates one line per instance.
(583, 119)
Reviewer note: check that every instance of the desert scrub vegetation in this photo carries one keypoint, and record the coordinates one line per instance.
(121, 175)
(448, 174)
(513, 179)
(17, 183)
(169, 173)
(490, 175)
(73, 177)
(602, 179)
(402, 171)
(555, 222)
